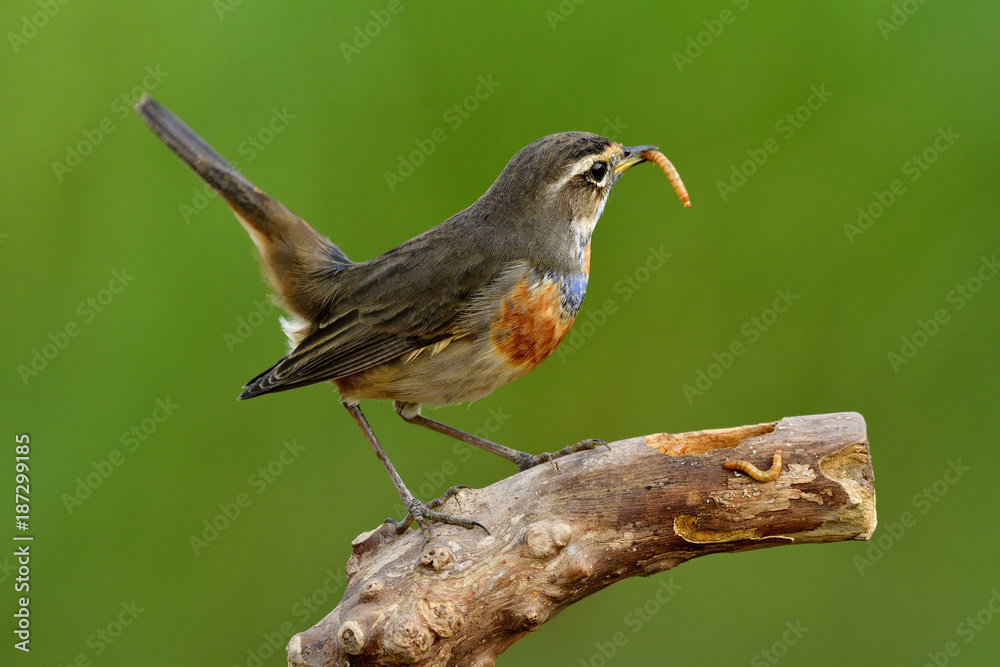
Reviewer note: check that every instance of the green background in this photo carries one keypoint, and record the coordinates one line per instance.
(608, 67)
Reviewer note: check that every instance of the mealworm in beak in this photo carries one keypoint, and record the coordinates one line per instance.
(661, 161)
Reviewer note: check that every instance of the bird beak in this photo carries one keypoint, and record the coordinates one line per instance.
(632, 157)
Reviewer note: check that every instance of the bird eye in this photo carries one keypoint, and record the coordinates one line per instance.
(598, 170)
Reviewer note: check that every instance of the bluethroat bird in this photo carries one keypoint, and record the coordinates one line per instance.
(449, 315)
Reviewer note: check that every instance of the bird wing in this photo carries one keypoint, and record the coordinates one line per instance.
(401, 301)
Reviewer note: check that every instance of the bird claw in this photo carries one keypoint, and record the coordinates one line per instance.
(446, 496)
(527, 461)
(424, 513)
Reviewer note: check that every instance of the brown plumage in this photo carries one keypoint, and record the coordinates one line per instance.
(446, 317)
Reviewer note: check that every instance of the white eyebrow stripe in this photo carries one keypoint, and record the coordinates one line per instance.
(580, 166)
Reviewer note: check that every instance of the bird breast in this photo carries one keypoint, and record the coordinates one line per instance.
(535, 316)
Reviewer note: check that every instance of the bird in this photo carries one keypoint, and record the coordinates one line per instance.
(447, 317)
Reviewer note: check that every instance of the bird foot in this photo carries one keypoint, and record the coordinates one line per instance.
(423, 514)
(526, 461)
(446, 496)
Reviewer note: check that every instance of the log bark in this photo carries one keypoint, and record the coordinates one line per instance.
(562, 531)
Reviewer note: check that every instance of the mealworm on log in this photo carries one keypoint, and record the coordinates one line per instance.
(661, 161)
(761, 476)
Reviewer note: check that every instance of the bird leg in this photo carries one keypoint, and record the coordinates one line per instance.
(416, 510)
(522, 460)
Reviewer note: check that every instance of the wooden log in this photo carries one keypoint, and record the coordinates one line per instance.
(562, 531)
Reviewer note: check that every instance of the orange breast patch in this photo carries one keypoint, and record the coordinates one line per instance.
(531, 323)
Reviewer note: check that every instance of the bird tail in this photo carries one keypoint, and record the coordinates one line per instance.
(295, 256)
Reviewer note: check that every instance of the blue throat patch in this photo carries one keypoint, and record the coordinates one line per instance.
(571, 291)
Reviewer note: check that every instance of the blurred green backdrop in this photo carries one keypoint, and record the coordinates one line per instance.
(783, 120)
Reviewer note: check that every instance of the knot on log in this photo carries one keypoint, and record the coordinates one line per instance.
(351, 638)
(435, 558)
(545, 539)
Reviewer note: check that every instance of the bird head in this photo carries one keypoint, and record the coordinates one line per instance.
(561, 178)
